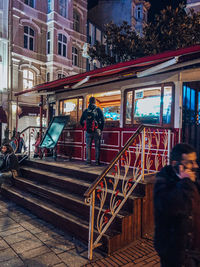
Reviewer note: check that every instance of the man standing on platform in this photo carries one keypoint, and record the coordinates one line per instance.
(177, 210)
(92, 120)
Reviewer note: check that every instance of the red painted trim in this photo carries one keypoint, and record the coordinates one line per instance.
(132, 63)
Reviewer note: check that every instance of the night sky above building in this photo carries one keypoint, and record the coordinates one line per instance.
(156, 5)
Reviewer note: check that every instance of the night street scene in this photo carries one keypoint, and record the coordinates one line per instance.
(99, 133)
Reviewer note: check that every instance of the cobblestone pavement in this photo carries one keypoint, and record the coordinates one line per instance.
(26, 240)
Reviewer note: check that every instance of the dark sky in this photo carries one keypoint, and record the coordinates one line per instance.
(157, 5)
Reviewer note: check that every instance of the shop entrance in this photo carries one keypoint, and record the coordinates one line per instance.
(191, 115)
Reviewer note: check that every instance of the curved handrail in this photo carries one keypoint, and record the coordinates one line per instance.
(119, 154)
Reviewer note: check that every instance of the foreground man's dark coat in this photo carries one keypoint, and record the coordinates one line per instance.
(177, 218)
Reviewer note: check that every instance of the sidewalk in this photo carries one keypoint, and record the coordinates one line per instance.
(25, 240)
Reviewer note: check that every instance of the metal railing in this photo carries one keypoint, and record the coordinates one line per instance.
(29, 135)
(146, 151)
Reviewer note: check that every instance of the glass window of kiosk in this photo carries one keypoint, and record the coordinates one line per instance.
(72, 107)
(109, 103)
(149, 105)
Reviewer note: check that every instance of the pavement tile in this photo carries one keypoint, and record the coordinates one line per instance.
(60, 265)
(12, 231)
(8, 226)
(17, 237)
(28, 254)
(24, 245)
(6, 220)
(3, 244)
(73, 259)
(15, 262)
(59, 247)
(7, 254)
(48, 259)
(21, 217)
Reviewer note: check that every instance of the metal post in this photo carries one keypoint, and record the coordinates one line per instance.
(17, 114)
(91, 227)
(29, 143)
(169, 146)
(41, 113)
(143, 153)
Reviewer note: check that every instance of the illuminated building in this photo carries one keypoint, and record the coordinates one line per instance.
(46, 40)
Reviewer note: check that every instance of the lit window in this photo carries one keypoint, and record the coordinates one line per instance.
(29, 38)
(72, 107)
(151, 105)
(109, 103)
(29, 3)
(28, 79)
(48, 42)
(129, 103)
(62, 45)
(147, 105)
(167, 102)
(76, 18)
(74, 56)
(63, 8)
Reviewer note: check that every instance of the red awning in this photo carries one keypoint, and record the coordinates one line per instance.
(3, 117)
(135, 65)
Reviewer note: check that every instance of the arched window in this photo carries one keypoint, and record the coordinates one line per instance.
(74, 56)
(62, 45)
(29, 36)
(76, 18)
(30, 3)
(63, 8)
(28, 79)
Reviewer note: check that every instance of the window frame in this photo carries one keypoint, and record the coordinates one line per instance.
(28, 79)
(29, 37)
(76, 21)
(48, 42)
(63, 8)
(28, 3)
(78, 103)
(75, 57)
(162, 86)
(62, 45)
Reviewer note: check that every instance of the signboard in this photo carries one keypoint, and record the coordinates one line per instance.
(54, 131)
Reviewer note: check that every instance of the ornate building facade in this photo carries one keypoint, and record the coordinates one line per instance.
(43, 41)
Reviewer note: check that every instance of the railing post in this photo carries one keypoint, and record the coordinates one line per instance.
(143, 153)
(29, 143)
(168, 146)
(91, 227)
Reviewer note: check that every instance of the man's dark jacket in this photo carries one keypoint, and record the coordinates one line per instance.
(9, 163)
(99, 116)
(177, 216)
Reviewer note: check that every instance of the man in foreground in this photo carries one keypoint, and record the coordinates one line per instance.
(177, 210)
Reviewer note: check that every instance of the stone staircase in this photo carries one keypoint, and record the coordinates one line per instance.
(54, 192)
